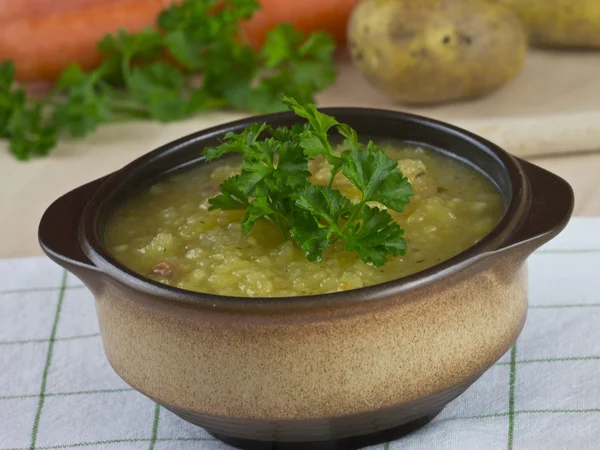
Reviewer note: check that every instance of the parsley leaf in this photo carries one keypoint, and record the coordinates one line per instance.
(319, 122)
(30, 134)
(292, 167)
(373, 172)
(377, 237)
(144, 45)
(308, 234)
(25, 124)
(157, 87)
(234, 194)
(260, 208)
(274, 185)
(325, 203)
(315, 141)
(235, 142)
(183, 51)
(84, 107)
(298, 67)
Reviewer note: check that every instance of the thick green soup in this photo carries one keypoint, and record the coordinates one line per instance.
(167, 233)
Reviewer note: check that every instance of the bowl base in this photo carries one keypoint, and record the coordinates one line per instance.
(348, 432)
(349, 443)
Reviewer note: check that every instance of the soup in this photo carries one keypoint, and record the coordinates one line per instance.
(167, 233)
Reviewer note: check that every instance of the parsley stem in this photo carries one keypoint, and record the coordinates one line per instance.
(125, 106)
(277, 222)
(325, 141)
(126, 69)
(335, 239)
(354, 214)
(334, 172)
(281, 230)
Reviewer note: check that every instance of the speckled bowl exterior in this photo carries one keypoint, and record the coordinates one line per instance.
(338, 370)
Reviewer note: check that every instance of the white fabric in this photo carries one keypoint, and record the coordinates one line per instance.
(58, 391)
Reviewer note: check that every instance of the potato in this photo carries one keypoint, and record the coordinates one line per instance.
(434, 51)
(560, 23)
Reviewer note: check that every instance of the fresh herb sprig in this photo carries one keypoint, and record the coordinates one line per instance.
(274, 185)
(152, 75)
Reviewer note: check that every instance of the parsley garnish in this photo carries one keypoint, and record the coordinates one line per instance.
(274, 185)
(207, 65)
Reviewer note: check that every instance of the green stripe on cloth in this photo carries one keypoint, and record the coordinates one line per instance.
(41, 289)
(64, 394)
(155, 427)
(525, 411)
(38, 341)
(551, 360)
(38, 414)
(568, 251)
(116, 441)
(482, 416)
(511, 396)
(559, 411)
(572, 305)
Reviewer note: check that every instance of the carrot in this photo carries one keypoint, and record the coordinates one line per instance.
(307, 16)
(43, 37)
(26, 9)
(43, 46)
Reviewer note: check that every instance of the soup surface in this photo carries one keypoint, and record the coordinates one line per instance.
(166, 232)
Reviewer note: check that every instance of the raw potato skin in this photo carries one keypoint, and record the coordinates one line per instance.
(435, 51)
(560, 23)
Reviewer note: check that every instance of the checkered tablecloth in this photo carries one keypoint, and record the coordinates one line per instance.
(57, 390)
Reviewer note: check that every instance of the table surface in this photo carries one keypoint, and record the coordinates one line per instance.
(522, 117)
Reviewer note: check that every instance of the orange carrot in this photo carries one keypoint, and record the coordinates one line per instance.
(43, 37)
(307, 16)
(27, 9)
(43, 46)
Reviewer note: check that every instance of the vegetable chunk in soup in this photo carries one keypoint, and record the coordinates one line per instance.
(166, 232)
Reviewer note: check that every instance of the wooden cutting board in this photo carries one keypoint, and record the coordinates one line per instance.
(552, 107)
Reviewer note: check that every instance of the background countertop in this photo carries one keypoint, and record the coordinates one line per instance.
(549, 114)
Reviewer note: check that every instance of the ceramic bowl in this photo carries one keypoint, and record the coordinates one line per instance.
(340, 370)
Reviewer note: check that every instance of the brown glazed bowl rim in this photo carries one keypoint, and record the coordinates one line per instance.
(92, 245)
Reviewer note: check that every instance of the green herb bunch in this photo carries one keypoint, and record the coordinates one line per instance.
(151, 75)
(274, 184)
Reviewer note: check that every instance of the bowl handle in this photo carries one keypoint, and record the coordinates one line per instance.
(550, 209)
(58, 232)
